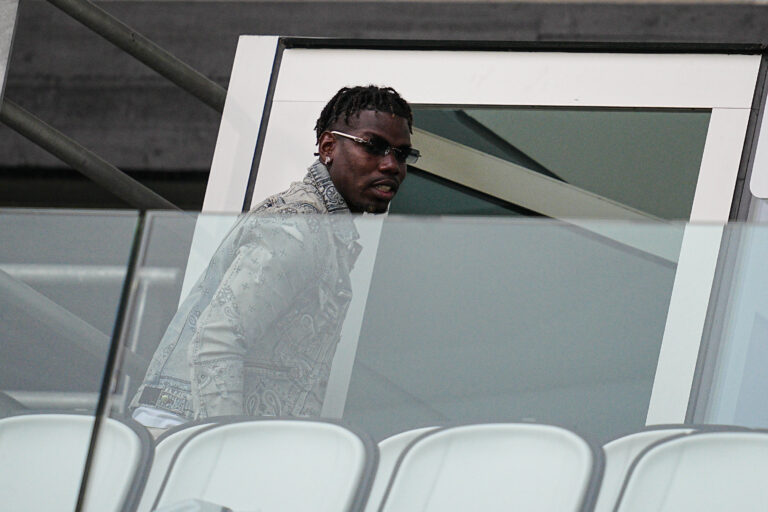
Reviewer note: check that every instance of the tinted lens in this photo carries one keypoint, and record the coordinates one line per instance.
(377, 146)
(380, 147)
(412, 155)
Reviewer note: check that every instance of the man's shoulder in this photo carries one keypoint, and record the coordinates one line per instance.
(301, 197)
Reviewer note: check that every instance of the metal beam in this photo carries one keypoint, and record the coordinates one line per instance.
(130, 41)
(82, 160)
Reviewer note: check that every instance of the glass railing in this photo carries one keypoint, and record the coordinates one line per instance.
(385, 323)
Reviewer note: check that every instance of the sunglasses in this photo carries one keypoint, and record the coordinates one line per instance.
(379, 147)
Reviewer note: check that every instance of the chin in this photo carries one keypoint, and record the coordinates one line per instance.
(377, 209)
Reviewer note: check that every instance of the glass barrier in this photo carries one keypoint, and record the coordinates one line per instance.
(62, 275)
(733, 378)
(387, 324)
(439, 321)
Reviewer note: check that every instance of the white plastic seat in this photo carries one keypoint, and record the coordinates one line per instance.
(389, 451)
(272, 465)
(536, 468)
(619, 455)
(165, 449)
(42, 458)
(701, 472)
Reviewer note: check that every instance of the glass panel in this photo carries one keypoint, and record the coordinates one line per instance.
(61, 279)
(440, 321)
(734, 380)
(491, 320)
(647, 160)
(471, 319)
(168, 253)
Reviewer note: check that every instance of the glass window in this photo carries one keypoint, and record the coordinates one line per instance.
(646, 160)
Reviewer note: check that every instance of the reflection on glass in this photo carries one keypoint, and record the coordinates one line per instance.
(258, 331)
(734, 381)
(61, 279)
(498, 320)
(645, 160)
(61, 276)
(440, 321)
(448, 320)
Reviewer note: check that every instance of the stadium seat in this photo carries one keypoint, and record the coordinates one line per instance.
(272, 465)
(701, 472)
(619, 455)
(495, 467)
(165, 449)
(43, 457)
(389, 450)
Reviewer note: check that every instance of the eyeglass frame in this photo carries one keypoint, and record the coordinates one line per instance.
(411, 156)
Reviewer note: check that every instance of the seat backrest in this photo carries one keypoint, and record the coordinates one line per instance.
(619, 455)
(702, 472)
(272, 465)
(389, 451)
(537, 468)
(165, 449)
(43, 457)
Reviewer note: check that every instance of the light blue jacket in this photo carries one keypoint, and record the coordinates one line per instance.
(258, 331)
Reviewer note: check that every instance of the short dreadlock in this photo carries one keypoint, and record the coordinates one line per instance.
(352, 100)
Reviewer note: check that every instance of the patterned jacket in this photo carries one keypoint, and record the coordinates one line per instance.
(258, 331)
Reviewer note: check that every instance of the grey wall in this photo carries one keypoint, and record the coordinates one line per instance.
(110, 103)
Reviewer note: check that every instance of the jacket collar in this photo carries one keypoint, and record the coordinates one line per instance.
(320, 178)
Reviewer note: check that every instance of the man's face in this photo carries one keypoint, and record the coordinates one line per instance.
(367, 182)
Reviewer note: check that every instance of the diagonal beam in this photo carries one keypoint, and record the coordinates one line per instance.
(135, 44)
(82, 159)
(554, 198)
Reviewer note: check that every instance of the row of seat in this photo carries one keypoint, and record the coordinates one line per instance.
(288, 464)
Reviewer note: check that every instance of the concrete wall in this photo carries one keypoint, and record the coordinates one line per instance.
(104, 99)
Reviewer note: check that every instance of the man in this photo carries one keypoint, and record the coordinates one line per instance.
(258, 332)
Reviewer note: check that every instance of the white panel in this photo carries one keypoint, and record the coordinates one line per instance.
(288, 147)
(526, 78)
(8, 10)
(240, 123)
(685, 324)
(719, 165)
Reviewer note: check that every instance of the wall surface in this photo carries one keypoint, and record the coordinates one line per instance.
(110, 103)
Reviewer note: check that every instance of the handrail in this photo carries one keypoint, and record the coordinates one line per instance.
(130, 41)
(82, 159)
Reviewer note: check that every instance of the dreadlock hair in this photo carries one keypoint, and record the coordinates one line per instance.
(350, 101)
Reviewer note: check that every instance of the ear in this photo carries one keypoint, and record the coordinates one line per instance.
(326, 146)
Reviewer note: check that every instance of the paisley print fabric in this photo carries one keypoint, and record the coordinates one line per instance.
(258, 332)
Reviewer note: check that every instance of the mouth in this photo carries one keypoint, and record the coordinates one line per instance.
(385, 189)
